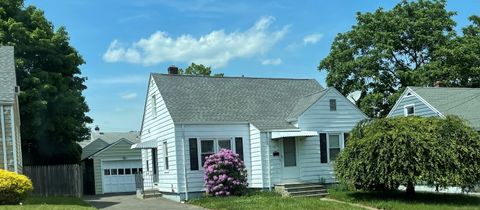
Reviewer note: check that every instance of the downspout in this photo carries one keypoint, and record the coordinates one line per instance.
(269, 135)
(184, 163)
(4, 138)
(14, 140)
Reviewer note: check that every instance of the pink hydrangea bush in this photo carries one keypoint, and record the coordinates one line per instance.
(225, 174)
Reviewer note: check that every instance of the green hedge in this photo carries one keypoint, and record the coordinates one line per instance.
(382, 154)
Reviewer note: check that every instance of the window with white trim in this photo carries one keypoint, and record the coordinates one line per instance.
(211, 146)
(207, 148)
(154, 106)
(165, 155)
(333, 146)
(409, 110)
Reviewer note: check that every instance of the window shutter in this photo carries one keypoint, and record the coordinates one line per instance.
(323, 148)
(239, 146)
(193, 148)
(345, 138)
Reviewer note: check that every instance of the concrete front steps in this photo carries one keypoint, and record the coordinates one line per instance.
(148, 194)
(302, 189)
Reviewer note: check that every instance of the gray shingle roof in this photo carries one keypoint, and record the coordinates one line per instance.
(112, 137)
(101, 140)
(93, 147)
(264, 102)
(304, 103)
(7, 75)
(463, 102)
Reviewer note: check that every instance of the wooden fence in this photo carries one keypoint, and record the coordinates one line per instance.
(56, 180)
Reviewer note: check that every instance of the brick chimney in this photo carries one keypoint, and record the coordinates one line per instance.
(172, 69)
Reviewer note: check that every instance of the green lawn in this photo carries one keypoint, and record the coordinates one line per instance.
(51, 203)
(398, 200)
(266, 200)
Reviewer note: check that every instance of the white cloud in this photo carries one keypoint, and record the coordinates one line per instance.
(312, 38)
(276, 61)
(215, 49)
(126, 79)
(128, 95)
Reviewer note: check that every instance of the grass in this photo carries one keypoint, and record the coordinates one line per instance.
(399, 200)
(266, 200)
(51, 203)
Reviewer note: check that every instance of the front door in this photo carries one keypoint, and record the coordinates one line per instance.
(291, 171)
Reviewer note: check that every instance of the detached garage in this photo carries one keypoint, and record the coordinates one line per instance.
(109, 163)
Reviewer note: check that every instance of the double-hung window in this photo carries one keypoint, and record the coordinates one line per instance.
(207, 148)
(330, 146)
(333, 146)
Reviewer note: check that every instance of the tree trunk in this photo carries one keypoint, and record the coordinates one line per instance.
(410, 189)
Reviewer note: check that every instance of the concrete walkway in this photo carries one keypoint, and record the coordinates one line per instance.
(351, 204)
(129, 201)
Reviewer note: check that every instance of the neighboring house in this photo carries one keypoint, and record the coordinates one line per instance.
(108, 162)
(285, 130)
(10, 144)
(440, 102)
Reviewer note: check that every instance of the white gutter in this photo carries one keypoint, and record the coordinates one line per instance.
(14, 140)
(269, 167)
(185, 179)
(4, 138)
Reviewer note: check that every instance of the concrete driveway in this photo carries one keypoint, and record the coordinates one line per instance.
(130, 201)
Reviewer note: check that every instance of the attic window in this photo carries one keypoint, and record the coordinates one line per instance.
(333, 105)
(409, 110)
(154, 106)
(409, 94)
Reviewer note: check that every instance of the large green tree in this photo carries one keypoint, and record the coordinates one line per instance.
(52, 107)
(199, 69)
(413, 44)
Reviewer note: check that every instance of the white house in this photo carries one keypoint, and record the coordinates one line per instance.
(286, 130)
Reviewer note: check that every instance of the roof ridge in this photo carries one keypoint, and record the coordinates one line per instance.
(228, 77)
(469, 88)
(324, 89)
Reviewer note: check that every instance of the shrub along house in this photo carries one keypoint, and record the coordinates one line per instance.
(109, 165)
(10, 141)
(285, 130)
(440, 102)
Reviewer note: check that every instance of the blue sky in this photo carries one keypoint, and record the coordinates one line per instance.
(123, 41)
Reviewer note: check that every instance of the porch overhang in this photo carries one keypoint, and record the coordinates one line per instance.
(285, 134)
(145, 145)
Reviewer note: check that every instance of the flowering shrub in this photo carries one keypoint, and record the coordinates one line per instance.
(225, 174)
(13, 187)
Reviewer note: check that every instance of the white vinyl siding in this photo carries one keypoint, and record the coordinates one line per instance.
(319, 118)
(161, 129)
(256, 174)
(213, 132)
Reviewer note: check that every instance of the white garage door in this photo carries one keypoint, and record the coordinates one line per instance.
(119, 176)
